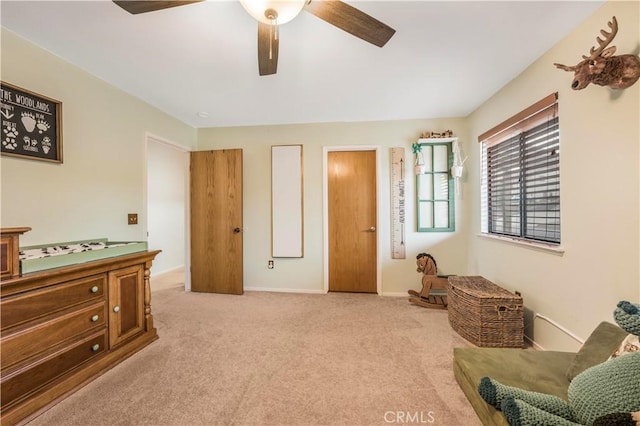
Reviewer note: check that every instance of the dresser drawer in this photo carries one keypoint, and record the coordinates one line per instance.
(36, 304)
(28, 381)
(29, 342)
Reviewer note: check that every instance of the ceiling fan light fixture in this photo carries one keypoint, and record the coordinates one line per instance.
(273, 12)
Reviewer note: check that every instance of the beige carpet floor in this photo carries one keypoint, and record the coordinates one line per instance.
(280, 359)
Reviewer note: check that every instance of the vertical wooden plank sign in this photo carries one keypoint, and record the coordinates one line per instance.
(398, 165)
(287, 233)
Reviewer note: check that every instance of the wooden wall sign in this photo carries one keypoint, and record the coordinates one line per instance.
(31, 124)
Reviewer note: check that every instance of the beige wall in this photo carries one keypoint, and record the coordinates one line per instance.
(306, 274)
(103, 174)
(599, 131)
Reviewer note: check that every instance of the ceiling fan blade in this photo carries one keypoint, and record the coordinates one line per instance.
(142, 6)
(351, 20)
(267, 49)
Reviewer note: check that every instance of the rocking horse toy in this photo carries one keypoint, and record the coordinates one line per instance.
(434, 287)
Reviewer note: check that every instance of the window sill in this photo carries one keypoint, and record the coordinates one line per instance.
(557, 250)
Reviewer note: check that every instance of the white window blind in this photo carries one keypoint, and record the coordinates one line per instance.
(520, 182)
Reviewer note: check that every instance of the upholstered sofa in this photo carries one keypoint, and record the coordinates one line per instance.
(541, 371)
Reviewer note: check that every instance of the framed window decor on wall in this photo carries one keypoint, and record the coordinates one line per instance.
(434, 186)
(31, 124)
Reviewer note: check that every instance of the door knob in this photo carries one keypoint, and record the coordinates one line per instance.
(372, 229)
(236, 231)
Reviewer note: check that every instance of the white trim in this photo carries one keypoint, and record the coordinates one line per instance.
(437, 140)
(534, 344)
(157, 279)
(168, 271)
(284, 290)
(560, 327)
(172, 144)
(325, 209)
(553, 249)
(150, 137)
(394, 294)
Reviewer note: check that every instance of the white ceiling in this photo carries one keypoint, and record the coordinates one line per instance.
(445, 59)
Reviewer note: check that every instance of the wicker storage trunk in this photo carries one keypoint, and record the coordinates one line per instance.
(484, 313)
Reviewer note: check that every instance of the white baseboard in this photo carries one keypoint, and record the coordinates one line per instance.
(534, 344)
(168, 271)
(299, 290)
(167, 279)
(394, 294)
(284, 290)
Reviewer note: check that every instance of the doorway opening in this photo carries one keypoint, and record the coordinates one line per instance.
(167, 205)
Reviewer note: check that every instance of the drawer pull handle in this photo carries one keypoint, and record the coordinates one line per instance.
(95, 347)
(94, 318)
(94, 289)
(116, 308)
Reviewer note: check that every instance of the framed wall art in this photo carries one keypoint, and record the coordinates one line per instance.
(287, 233)
(31, 124)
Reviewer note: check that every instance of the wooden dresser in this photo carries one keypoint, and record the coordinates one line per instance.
(63, 327)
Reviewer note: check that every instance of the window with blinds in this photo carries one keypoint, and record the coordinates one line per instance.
(520, 186)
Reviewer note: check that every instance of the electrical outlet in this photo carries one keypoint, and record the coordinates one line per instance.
(132, 218)
(270, 264)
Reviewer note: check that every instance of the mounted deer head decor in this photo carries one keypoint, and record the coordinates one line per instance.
(602, 68)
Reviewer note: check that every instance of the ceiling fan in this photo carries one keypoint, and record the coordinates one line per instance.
(272, 13)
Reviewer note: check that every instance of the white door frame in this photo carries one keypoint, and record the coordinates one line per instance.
(151, 138)
(325, 209)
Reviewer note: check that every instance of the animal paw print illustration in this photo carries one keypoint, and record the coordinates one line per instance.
(46, 144)
(42, 126)
(11, 133)
(28, 121)
(30, 144)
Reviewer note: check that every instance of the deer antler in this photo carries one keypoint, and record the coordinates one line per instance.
(608, 38)
(564, 67)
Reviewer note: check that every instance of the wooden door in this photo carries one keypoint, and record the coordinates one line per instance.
(352, 221)
(216, 221)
